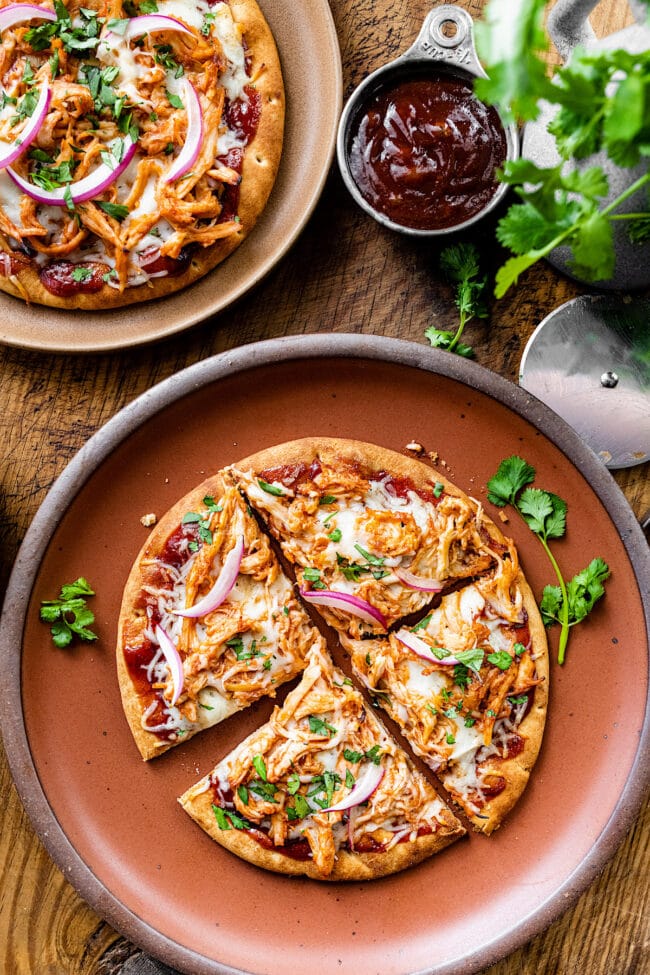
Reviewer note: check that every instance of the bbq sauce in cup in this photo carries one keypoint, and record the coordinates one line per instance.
(425, 152)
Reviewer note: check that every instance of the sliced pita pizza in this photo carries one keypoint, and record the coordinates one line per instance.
(209, 622)
(373, 535)
(322, 790)
(467, 685)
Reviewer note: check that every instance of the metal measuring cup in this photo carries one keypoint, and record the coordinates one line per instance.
(444, 46)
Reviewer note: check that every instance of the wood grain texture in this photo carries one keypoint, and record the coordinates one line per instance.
(346, 274)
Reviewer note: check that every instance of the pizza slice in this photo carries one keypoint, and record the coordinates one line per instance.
(322, 790)
(209, 622)
(467, 685)
(373, 535)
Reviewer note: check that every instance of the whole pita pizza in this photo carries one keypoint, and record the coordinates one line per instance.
(425, 606)
(139, 143)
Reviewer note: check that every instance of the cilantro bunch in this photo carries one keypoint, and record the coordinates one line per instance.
(69, 614)
(460, 265)
(603, 100)
(545, 514)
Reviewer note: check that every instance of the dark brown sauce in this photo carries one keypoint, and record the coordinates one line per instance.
(153, 262)
(292, 475)
(242, 117)
(58, 277)
(12, 264)
(400, 486)
(426, 152)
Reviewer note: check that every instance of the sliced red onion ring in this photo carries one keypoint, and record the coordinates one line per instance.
(174, 662)
(18, 13)
(421, 583)
(344, 601)
(84, 189)
(149, 24)
(422, 649)
(222, 587)
(11, 151)
(369, 778)
(193, 137)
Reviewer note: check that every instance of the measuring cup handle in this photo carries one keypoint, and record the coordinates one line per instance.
(569, 27)
(447, 35)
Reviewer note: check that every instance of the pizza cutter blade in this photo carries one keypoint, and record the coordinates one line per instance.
(589, 360)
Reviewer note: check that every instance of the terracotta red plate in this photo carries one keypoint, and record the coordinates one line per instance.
(112, 823)
(311, 65)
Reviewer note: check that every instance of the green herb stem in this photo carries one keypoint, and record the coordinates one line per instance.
(630, 191)
(564, 609)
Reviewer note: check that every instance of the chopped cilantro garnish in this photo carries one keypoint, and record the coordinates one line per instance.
(422, 625)
(173, 99)
(450, 739)
(335, 535)
(319, 726)
(351, 756)
(260, 767)
(293, 783)
(327, 499)
(228, 818)
(81, 274)
(242, 792)
(115, 210)
(500, 659)
(438, 488)
(270, 488)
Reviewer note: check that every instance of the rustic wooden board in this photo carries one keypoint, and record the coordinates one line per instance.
(345, 275)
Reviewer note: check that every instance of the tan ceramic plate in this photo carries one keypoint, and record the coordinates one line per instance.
(112, 822)
(311, 65)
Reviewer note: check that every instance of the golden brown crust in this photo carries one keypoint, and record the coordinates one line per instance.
(371, 457)
(260, 167)
(517, 770)
(348, 866)
(149, 744)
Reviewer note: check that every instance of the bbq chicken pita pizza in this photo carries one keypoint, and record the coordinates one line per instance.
(467, 685)
(428, 610)
(138, 144)
(209, 622)
(373, 535)
(322, 790)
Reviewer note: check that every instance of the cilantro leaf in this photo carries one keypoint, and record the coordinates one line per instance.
(69, 614)
(473, 659)
(319, 726)
(583, 591)
(500, 659)
(543, 512)
(510, 40)
(512, 475)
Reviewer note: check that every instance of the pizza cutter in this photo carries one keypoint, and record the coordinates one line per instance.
(589, 360)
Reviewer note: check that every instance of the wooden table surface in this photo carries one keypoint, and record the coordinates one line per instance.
(346, 274)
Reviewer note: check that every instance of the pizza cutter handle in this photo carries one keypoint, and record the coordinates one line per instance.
(447, 37)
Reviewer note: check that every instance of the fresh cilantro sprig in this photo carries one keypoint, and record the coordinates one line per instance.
(69, 614)
(582, 592)
(460, 265)
(601, 99)
(545, 514)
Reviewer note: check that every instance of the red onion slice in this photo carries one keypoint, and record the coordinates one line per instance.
(18, 13)
(422, 649)
(222, 587)
(149, 24)
(421, 583)
(86, 188)
(9, 152)
(344, 601)
(367, 781)
(174, 662)
(193, 137)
